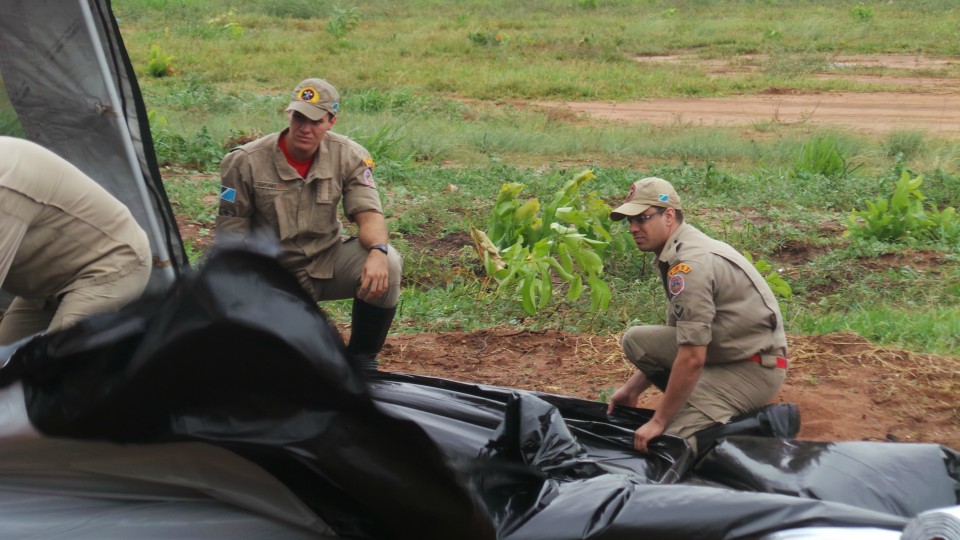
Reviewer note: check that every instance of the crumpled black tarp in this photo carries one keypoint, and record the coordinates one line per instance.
(239, 358)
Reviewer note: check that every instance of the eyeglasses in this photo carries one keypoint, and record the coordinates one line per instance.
(642, 219)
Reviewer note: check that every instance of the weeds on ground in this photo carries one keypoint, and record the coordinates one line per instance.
(159, 64)
(903, 217)
(343, 21)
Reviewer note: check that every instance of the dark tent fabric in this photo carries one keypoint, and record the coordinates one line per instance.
(69, 79)
(237, 357)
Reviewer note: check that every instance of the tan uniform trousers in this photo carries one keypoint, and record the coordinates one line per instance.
(26, 317)
(347, 270)
(725, 390)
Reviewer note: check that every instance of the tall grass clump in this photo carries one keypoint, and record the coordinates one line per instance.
(822, 155)
(342, 21)
(903, 144)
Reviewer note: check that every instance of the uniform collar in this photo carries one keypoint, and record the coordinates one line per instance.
(669, 252)
(321, 168)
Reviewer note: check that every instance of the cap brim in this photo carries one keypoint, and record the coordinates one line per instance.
(629, 209)
(310, 111)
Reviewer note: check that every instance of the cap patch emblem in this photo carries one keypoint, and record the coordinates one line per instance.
(633, 190)
(676, 285)
(663, 197)
(679, 268)
(309, 94)
(228, 194)
(335, 106)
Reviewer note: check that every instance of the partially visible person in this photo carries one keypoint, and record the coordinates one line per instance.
(723, 350)
(68, 249)
(292, 182)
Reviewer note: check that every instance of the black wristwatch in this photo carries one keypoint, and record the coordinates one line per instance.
(380, 247)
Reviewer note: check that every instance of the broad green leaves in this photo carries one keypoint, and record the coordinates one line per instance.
(777, 284)
(903, 217)
(528, 245)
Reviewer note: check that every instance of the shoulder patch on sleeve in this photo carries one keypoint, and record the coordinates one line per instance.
(367, 178)
(368, 161)
(679, 268)
(676, 285)
(228, 194)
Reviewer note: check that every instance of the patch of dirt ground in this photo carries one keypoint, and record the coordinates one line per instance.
(929, 101)
(846, 388)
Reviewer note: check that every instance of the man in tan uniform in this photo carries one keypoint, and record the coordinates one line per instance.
(291, 183)
(68, 249)
(723, 352)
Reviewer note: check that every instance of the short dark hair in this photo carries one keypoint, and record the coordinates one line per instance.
(679, 214)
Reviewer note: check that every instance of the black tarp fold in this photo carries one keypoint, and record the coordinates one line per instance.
(237, 357)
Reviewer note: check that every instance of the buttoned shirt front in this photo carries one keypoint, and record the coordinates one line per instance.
(260, 188)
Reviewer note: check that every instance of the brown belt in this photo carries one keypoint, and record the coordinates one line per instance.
(781, 362)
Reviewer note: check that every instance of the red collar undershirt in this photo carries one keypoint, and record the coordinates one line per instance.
(302, 167)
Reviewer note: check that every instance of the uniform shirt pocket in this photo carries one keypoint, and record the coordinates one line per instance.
(271, 209)
(321, 216)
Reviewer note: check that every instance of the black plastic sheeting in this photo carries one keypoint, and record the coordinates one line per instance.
(239, 358)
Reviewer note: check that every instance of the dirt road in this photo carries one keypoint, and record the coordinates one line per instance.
(873, 112)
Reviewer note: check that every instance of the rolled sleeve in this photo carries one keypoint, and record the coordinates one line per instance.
(359, 187)
(693, 333)
(692, 303)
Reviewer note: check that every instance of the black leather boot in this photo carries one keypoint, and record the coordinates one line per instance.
(778, 420)
(369, 327)
(659, 379)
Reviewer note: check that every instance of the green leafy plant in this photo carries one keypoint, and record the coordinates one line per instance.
(890, 220)
(485, 38)
(526, 246)
(777, 284)
(606, 394)
(343, 21)
(225, 23)
(903, 217)
(159, 64)
(198, 151)
(946, 225)
(861, 12)
(773, 33)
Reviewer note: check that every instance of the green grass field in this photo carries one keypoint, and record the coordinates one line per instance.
(435, 90)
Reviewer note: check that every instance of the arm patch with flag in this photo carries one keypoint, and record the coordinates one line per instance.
(228, 194)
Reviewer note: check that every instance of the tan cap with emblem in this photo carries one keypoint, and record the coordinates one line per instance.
(645, 193)
(314, 98)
